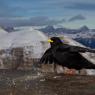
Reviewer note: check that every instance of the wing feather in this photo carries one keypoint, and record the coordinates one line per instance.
(47, 57)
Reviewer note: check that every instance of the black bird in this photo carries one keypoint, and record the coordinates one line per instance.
(66, 55)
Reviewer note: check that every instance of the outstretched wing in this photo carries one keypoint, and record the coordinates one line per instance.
(47, 57)
(81, 49)
(71, 48)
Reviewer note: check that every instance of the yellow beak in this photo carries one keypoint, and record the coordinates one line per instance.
(50, 41)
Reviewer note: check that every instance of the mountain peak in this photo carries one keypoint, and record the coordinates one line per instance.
(84, 28)
(48, 28)
(77, 17)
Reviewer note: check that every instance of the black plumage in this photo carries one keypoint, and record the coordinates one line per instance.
(66, 55)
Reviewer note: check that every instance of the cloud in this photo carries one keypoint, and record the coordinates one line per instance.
(50, 8)
(81, 6)
(34, 21)
(77, 18)
(14, 8)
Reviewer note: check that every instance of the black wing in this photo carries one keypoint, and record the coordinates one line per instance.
(81, 49)
(71, 48)
(47, 57)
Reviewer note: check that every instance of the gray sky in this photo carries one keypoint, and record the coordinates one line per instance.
(52, 11)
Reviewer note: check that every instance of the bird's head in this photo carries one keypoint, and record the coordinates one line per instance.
(55, 41)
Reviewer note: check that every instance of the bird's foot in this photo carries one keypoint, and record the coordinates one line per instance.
(70, 72)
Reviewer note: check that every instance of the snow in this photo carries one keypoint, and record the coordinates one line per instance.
(2, 32)
(23, 37)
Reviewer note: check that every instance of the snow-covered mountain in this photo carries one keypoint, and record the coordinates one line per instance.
(2, 31)
(82, 32)
(83, 35)
(25, 37)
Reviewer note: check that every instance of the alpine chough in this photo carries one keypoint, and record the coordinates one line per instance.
(66, 55)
